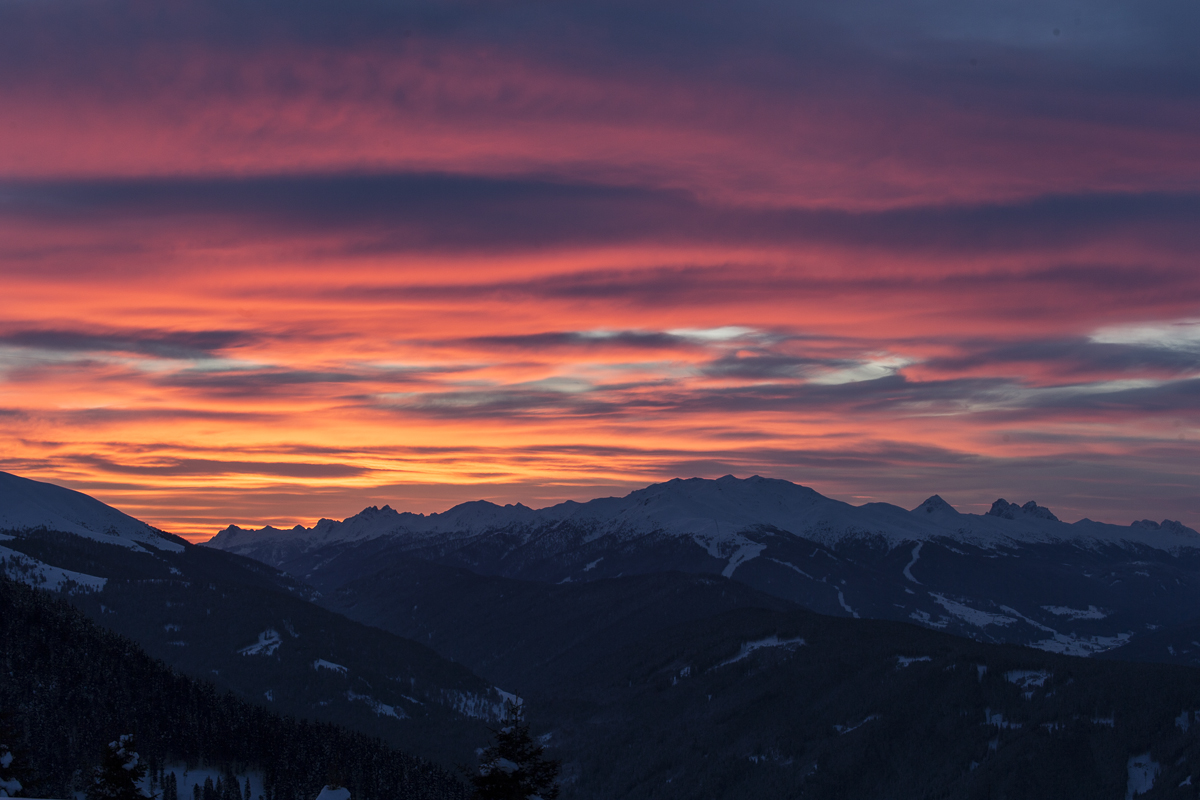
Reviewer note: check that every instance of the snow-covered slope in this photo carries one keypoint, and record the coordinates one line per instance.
(715, 514)
(27, 505)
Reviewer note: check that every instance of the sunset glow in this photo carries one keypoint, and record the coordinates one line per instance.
(264, 265)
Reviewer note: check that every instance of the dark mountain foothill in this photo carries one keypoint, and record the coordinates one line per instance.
(250, 629)
(70, 687)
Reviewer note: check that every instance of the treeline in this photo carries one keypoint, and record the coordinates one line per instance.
(70, 687)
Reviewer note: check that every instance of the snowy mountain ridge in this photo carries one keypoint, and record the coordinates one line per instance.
(714, 514)
(28, 504)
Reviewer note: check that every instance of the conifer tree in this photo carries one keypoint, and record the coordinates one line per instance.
(514, 767)
(10, 766)
(119, 772)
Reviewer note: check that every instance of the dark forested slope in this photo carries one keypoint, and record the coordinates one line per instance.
(69, 687)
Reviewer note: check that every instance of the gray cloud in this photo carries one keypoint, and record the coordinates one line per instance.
(155, 343)
(201, 467)
(1074, 356)
(404, 212)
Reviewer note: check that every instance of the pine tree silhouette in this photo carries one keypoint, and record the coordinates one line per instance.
(119, 772)
(513, 767)
(10, 765)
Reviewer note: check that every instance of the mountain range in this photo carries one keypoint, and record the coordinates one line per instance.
(1016, 574)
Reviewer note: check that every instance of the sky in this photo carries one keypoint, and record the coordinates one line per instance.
(263, 263)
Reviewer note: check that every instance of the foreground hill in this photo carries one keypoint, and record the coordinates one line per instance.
(250, 629)
(70, 687)
(31, 505)
(1016, 574)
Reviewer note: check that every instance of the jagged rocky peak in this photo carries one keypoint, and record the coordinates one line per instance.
(1169, 525)
(935, 505)
(374, 511)
(1006, 510)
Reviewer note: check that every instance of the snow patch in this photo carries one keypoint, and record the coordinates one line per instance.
(793, 567)
(1027, 678)
(1074, 613)
(1071, 645)
(1142, 772)
(40, 575)
(770, 641)
(972, 616)
(842, 603)
(268, 642)
(916, 553)
(187, 778)
(904, 661)
(924, 618)
(381, 709)
(321, 663)
(744, 553)
(844, 729)
(593, 564)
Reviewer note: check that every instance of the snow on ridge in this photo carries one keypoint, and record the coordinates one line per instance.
(724, 515)
(28, 505)
(321, 663)
(770, 641)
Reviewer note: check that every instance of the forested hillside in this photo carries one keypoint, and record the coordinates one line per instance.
(70, 687)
